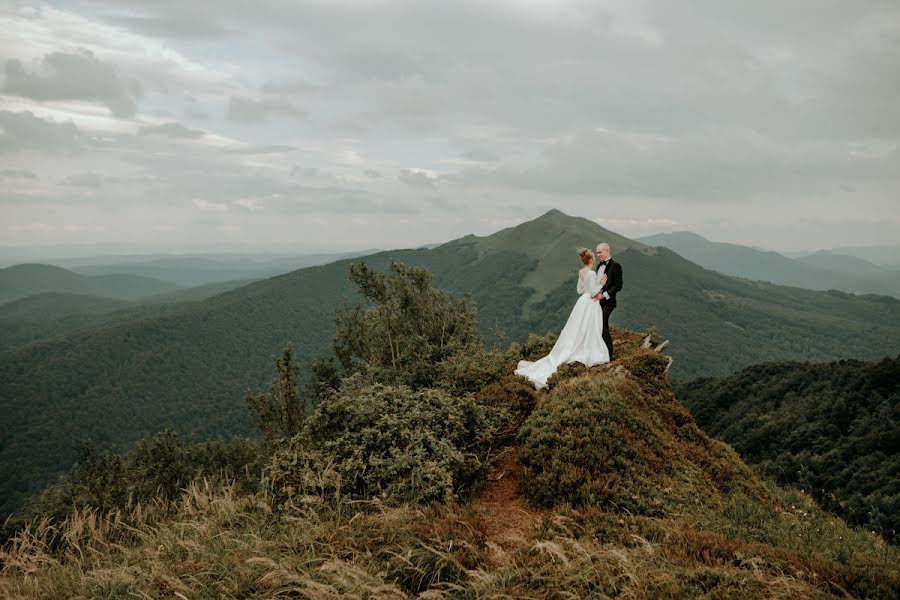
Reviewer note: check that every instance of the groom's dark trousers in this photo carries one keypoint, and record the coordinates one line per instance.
(613, 286)
(607, 338)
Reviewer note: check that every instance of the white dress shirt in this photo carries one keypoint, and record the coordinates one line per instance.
(601, 270)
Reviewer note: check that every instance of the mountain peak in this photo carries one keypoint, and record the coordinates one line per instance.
(551, 239)
(554, 213)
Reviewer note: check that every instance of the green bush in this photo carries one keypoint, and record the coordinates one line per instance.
(535, 347)
(586, 444)
(392, 442)
(470, 371)
(159, 466)
(649, 369)
(510, 401)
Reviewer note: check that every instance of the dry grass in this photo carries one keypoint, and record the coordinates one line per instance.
(219, 545)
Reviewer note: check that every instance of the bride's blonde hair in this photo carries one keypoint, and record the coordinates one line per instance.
(586, 256)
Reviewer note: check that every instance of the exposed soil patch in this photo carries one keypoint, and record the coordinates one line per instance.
(506, 522)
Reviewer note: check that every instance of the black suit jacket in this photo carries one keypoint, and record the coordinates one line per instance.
(613, 282)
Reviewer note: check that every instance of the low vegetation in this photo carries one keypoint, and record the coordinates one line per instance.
(441, 475)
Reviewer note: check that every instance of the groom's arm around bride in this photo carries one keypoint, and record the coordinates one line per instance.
(613, 283)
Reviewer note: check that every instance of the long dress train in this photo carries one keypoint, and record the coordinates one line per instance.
(581, 339)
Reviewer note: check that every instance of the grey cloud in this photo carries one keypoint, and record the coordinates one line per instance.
(338, 201)
(305, 171)
(262, 149)
(18, 173)
(419, 178)
(479, 156)
(769, 103)
(704, 166)
(89, 180)
(288, 87)
(177, 26)
(248, 110)
(73, 77)
(172, 130)
(25, 131)
(196, 113)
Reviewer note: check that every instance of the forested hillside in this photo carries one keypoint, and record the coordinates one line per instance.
(417, 466)
(19, 281)
(832, 429)
(188, 369)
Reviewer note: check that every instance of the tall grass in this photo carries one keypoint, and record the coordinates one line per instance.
(214, 543)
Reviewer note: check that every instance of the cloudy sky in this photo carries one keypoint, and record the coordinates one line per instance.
(370, 123)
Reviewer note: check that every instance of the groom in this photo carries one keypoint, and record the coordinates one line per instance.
(607, 296)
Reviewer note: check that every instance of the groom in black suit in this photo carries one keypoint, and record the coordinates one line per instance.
(607, 296)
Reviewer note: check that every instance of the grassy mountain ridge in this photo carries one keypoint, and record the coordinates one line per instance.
(551, 240)
(188, 369)
(658, 510)
(819, 271)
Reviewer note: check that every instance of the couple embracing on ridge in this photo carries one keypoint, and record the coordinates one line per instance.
(585, 337)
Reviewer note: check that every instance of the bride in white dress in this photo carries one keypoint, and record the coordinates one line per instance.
(581, 340)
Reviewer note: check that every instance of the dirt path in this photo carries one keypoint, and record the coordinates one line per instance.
(507, 524)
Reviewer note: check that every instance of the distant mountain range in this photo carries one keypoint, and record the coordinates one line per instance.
(821, 270)
(186, 365)
(23, 280)
(201, 269)
(883, 255)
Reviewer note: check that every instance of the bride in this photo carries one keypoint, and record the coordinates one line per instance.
(581, 340)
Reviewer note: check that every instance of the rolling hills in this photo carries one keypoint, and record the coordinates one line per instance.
(818, 271)
(187, 369)
(200, 269)
(52, 315)
(19, 281)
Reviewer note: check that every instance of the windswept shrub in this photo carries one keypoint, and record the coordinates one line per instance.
(511, 401)
(406, 327)
(279, 410)
(392, 442)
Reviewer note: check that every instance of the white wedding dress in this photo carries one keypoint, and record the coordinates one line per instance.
(581, 339)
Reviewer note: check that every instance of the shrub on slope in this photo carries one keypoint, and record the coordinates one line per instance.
(615, 439)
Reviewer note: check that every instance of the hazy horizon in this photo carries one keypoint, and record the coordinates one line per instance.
(404, 123)
(109, 250)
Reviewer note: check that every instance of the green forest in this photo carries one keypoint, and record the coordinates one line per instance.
(832, 429)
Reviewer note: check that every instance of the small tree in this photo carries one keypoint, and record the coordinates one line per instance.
(407, 327)
(99, 477)
(279, 411)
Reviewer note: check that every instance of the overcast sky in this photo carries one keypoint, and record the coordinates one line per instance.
(367, 123)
